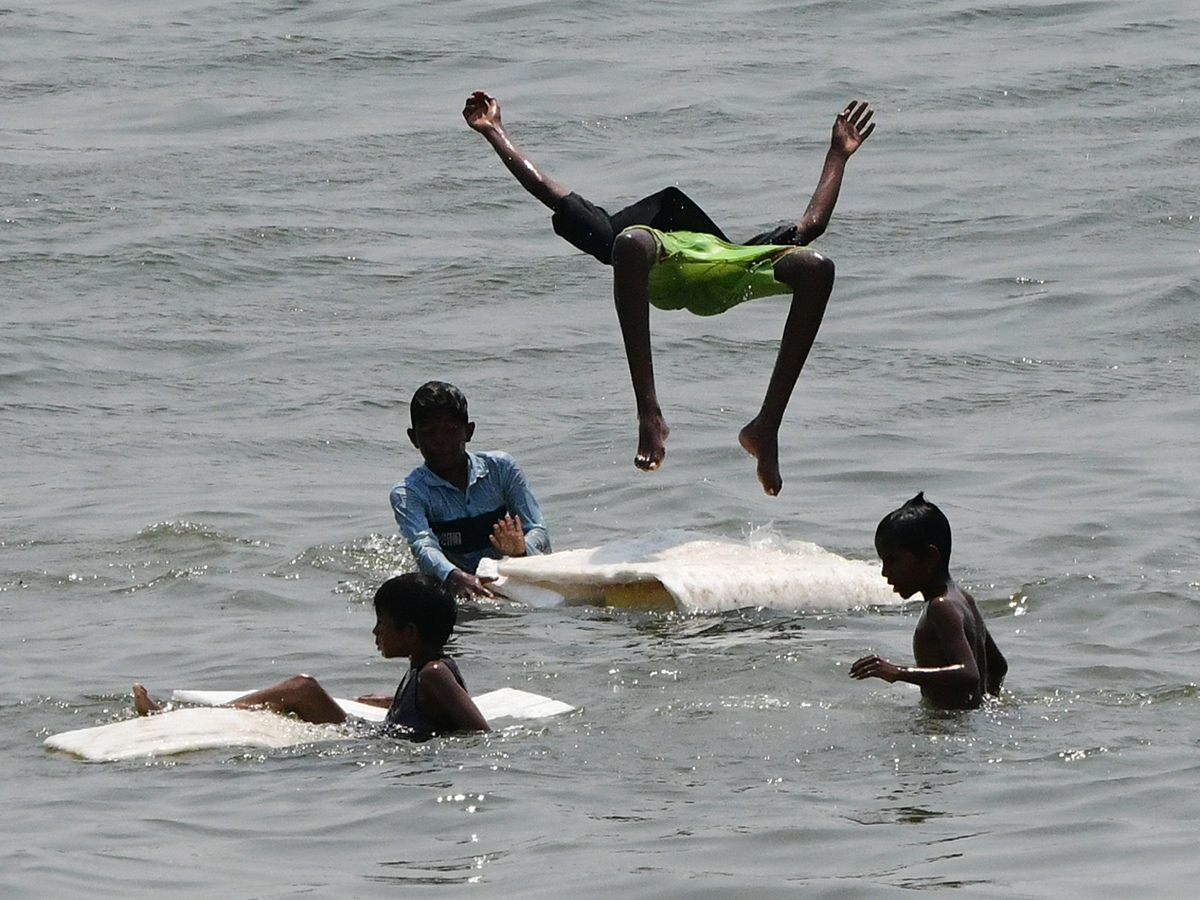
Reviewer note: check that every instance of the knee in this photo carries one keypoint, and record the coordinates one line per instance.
(673, 195)
(301, 682)
(634, 249)
(804, 268)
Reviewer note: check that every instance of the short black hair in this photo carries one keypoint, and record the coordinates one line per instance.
(434, 397)
(422, 600)
(915, 526)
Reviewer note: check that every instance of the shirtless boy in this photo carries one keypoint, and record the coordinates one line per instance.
(957, 660)
(665, 251)
(414, 616)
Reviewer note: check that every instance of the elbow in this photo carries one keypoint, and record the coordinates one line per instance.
(537, 541)
(967, 678)
(996, 675)
(810, 231)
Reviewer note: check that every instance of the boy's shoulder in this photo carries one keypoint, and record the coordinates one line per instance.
(495, 462)
(958, 606)
(953, 601)
(419, 474)
(960, 598)
(500, 455)
(415, 486)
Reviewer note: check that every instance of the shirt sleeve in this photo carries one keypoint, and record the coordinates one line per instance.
(409, 504)
(520, 501)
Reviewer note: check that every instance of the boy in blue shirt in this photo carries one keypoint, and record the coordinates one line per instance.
(461, 506)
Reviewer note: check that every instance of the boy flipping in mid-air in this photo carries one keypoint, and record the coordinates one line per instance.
(666, 251)
(414, 617)
(957, 660)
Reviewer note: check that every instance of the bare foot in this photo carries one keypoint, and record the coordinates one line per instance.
(142, 702)
(652, 436)
(763, 446)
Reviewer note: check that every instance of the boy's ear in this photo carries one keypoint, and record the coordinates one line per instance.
(470, 431)
(933, 557)
(412, 436)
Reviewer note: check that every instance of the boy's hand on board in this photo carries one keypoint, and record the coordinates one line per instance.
(464, 584)
(508, 537)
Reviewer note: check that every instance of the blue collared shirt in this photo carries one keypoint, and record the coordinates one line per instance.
(424, 502)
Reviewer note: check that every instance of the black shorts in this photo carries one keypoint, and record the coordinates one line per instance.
(593, 230)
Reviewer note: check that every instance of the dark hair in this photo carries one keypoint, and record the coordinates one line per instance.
(434, 397)
(420, 599)
(914, 526)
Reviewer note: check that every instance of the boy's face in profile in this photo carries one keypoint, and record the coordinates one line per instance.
(442, 440)
(391, 639)
(907, 572)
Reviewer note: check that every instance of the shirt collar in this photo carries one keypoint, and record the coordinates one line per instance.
(475, 471)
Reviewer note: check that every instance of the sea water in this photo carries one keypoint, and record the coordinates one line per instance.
(235, 237)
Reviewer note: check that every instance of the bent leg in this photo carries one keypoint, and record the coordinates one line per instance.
(142, 702)
(634, 254)
(810, 276)
(300, 695)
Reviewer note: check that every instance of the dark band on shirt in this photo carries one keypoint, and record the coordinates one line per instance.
(469, 534)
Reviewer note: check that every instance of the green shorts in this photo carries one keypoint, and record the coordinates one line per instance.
(707, 276)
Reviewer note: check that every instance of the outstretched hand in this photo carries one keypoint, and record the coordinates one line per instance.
(852, 127)
(508, 537)
(874, 667)
(464, 584)
(482, 111)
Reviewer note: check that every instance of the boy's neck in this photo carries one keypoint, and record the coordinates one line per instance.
(937, 588)
(425, 655)
(456, 473)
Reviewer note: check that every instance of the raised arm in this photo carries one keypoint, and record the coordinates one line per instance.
(850, 129)
(482, 113)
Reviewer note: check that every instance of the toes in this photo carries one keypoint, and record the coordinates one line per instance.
(771, 481)
(648, 462)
